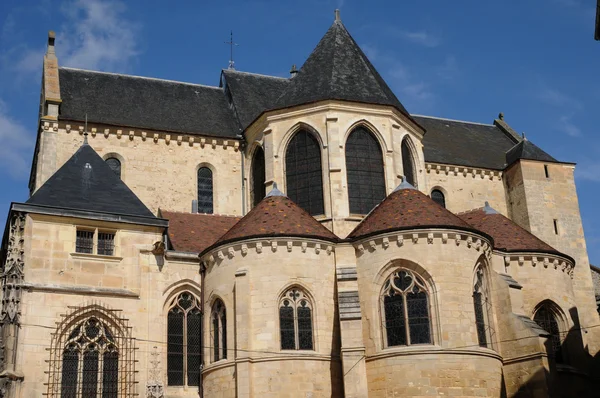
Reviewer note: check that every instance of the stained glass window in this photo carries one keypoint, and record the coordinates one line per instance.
(364, 168)
(115, 165)
(483, 309)
(205, 190)
(408, 164)
(304, 175)
(295, 321)
(184, 340)
(438, 197)
(406, 313)
(546, 318)
(258, 176)
(219, 331)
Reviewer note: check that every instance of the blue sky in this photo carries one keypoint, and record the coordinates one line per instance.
(534, 60)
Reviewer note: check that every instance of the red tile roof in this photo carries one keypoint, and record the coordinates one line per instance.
(277, 216)
(507, 235)
(406, 208)
(190, 232)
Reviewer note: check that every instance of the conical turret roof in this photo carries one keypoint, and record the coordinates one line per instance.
(407, 208)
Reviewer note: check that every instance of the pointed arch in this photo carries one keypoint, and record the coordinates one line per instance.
(482, 305)
(218, 330)
(409, 161)
(304, 172)
(296, 315)
(257, 176)
(552, 319)
(364, 170)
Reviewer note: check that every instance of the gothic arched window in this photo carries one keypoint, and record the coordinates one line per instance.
(90, 361)
(304, 175)
(546, 317)
(205, 190)
(438, 197)
(405, 309)
(219, 331)
(184, 340)
(115, 165)
(295, 321)
(364, 170)
(483, 308)
(408, 164)
(258, 176)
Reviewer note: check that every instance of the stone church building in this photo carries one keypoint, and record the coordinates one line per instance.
(288, 237)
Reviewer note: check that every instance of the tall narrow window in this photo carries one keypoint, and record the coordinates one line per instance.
(219, 331)
(364, 168)
(408, 164)
(115, 165)
(304, 175)
(483, 308)
(546, 318)
(205, 190)
(295, 321)
(546, 172)
(184, 340)
(258, 176)
(405, 309)
(438, 197)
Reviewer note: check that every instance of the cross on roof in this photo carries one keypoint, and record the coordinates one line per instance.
(231, 45)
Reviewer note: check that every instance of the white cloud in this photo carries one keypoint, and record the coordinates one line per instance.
(448, 69)
(568, 126)
(555, 97)
(422, 38)
(15, 145)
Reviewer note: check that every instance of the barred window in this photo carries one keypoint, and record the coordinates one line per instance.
(184, 340)
(408, 164)
(405, 308)
(364, 168)
(84, 242)
(483, 308)
(438, 197)
(106, 243)
(258, 176)
(295, 321)
(304, 175)
(546, 317)
(205, 190)
(115, 165)
(219, 331)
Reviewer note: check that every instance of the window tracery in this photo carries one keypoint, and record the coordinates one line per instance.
(295, 321)
(219, 330)
(546, 317)
(184, 340)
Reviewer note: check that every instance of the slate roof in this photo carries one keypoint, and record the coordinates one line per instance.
(193, 232)
(527, 150)
(252, 93)
(507, 235)
(407, 208)
(133, 101)
(277, 216)
(338, 69)
(85, 182)
(464, 143)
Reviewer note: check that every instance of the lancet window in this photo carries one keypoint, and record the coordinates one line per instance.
(483, 308)
(295, 321)
(258, 176)
(184, 340)
(408, 163)
(546, 317)
(205, 190)
(219, 331)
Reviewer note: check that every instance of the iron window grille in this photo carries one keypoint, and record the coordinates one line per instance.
(205, 190)
(94, 241)
(438, 197)
(408, 164)
(483, 309)
(405, 308)
(84, 242)
(295, 321)
(115, 166)
(92, 356)
(106, 243)
(184, 340)
(219, 331)
(304, 174)
(258, 177)
(545, 317)
(364, 170)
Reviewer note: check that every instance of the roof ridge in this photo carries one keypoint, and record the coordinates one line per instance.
(139, 77)
(254, 74)
(200, 214)
(453, 120)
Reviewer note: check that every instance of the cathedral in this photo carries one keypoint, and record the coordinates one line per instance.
(296, 237)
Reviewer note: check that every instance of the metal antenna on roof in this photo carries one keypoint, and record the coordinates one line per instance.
(85, 133)
(231, 45)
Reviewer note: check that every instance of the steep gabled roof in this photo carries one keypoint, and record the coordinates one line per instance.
(193, 232)
(252, 93)
(277, 216)
(142, 102)
(337, 69)
(508, 236)
(406, 208)
(529, 151)
(85, 182)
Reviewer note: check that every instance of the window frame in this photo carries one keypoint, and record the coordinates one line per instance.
(212, 190)
(443, 197)
(562, 327)
(95, 239)
(296, 295)
(218, 313)
(120, 163)
(253, 182)
(481, 286)
(411, 158)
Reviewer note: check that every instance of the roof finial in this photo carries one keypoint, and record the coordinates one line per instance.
(487, 209)
(501, 116)
(275, 191)
(231, 45)
(337, 16)
(523, 134)
(404, 185)
(85, 133)
(293, 71)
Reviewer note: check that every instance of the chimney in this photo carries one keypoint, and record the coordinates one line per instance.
(50, 86)
(293, 71)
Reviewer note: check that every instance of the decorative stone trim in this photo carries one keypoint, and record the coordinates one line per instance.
(538, 260)
(464, 171)
(471, 240)
(349, 305)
